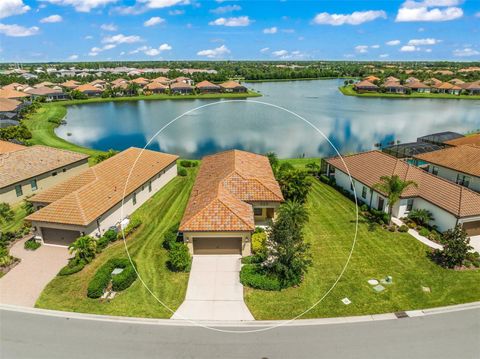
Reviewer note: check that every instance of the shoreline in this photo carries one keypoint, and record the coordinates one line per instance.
(348, 91)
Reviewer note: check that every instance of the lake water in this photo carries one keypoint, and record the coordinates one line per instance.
(350, 123)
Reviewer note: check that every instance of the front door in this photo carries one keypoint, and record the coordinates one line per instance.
(381, 204)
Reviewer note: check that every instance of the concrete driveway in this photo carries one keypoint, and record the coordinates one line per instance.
(214, 290)
(24, 283)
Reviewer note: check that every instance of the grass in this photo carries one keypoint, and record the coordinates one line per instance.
(300, 163)
(17, 222)
(145, 245)
(349, 91)
(377, 254)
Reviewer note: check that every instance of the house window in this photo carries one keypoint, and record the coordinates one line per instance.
(134, 198)
(18, 190)
(409, 204)
(54, 173)
(33, 184)
(381, 204)
(463, 180)
(364, 192)
(257, 211)
(150, 186)
(434, 170)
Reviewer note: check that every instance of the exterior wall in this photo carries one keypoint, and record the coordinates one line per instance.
(44, 181)
(441, 218)
(246, 239)
(264, 206)
(451, 175)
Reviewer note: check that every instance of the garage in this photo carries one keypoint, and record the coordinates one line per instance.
(61, 237)
(217, 245)
(472, 228)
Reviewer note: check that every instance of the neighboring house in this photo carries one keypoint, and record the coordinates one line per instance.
(207, 87)
(155, 87)
(459, 164)
(91, 202)
(371, 78)
(44, 84)
(418, 87)
(392, 78)
(28, 170)
(449, 203)
(472, 88)
(9, 110)
(365, 86)
(13, 94)
(181, 88)
(234, 191)
(393, 87)
(467, 140)
(6, 146)
(48, 93)
(184, 80)
(448, 88)
(70, 84)
(232, 86)
(141, 81)
(118, 82)
(457, 82)
(411, 79)
(162, 79)
(89, 90)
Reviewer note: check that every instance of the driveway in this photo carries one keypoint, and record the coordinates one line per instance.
(214, 290)
(24, 283)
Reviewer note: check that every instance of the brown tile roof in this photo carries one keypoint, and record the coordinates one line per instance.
(206, 84)
(366, 84)
(371, 78)
(368, 167)
(43, 91)
(225, 184)
(88, 87)
(417, 85)
(6, 146)
(180, 85)
(395, 84)
(230, 85)
(119, 82)
(162, 79)
(33, 161)
(464, 158)
(12, 86)
(44, 84)
(467, 140)
(71, 84)
(156, 86)
(447, 86)
(7, 104)
(83, 198)
(12, 94)
(140, 81)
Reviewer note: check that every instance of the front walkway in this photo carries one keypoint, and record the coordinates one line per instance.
(417, 235)
(214, 290)
(24, 283)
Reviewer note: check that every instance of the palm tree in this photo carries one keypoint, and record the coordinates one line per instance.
(393, 187)
(84, 248)
(295, 212)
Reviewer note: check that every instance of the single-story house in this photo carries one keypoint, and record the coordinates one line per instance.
(99, 83)
(371, 78)
(418, 87)
(70, 84)
(13, 94)
(162, 79)
(44, 84)
(433, 81)
(234, 191)
(473, 88)
(459, 164)
(47, 92)
(183, 80)
(118, 82)
(91, 202)
(393, 87)
(181, 88)
(447, 87)
(444, 72)
(156, 87)
(89, 90)
(232, 86)
(392, 78)
(365, 86)
(465, 140)
(207, 87)
(9, 112)
(449, 203)
(456, 81)
(28, 170)
(411, 79)
(141, 81)
(14, 86)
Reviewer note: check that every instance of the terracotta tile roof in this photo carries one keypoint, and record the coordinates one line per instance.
(230, 85)
(180, 85)
(464, 158)
(12, 86)
(371, 78)
(12, 94)
(156, 86)
(467, 140)
(7, 104)
(140, 81)
(365, 83)
(118, 82)
(368, 167)
(33, 161)
(43, 91)
(472, 85)
(447, 86)
(88, 87)
(395, 84)
(162, 79)
(417, 85)
(6, 146)
(83, 198)
(224, 186)
(206, 84)
(71, 84)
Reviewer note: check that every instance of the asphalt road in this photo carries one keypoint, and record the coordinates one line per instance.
(446, 335)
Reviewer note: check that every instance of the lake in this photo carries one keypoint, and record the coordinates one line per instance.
(350, 123)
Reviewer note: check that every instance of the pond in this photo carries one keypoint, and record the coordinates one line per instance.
(350, 123)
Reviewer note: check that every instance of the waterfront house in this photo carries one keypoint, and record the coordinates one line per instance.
(162, 79)
(393, 87)
(432, 82)
(13, 94)
(70, 84)
(9, 110)
(184, 80)
(118, 82)
(472, 88)
(181, 88)
(456, 82)
(447, 88)
(371, 78)
(141, 81)
(207, 87)
(89, 90)
(411, 79)
(365, 85)
(156, 88)
(232, 86)
(233, 192)
(418, 87)
(48, 93)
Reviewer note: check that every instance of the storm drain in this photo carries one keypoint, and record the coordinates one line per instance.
(401, 315)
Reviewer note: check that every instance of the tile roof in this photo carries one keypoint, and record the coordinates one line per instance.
(365, 83)
(368, 167)
(417, 85)
(12, 94)
(230, 85)
(33, 161)
(224, 186)
(7, 104)
(43, 91)
(180, 85)
(206, 84)
(392, 83)
(70, 84)
(85, 197)
(156, 86)
(6, 146)
(464, 159)
(467, 140)
(88, 87)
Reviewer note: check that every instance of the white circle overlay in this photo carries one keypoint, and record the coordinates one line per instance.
(279, 322)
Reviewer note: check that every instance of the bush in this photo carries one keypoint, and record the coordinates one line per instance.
(181, 171)
(364, 208)
(188, 163)
(325, 179)
(102, 243)
(179, 259)
(111, 235)
(32, 245)
(130, 228)
(403, 228)
(434, 236)
(169, 240)
(102, 277)
(424, 232)
(125, 279)
(378, 216)
(258, 242)
(75, 265)
(455, 249)
(253, 276)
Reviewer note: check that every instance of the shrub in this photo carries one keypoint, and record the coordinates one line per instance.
(102, 243)
(125, 279)
(32, 245)
(258, 242)
(392, 228)
(253, 276)
(181, 171)
(187, 163)
(74, 265)
(169, 240)
(379, 216)
(325, 179)
(111, 235)
(179, 259)
(403, 228)
(455, 249)
(421, 216)
(434, 236)
(6, 260)
(102, 277)
(130, 228)
(424, 232)
(364, 207)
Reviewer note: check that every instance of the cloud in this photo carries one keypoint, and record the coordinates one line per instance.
(94, 51)
(264, 50)
(152, 51)
(153, 21)
(121, 39)
(176, 12)
(361, 49)
(384, 56)
(226, 9)
(72, 57)
(231, 21)
(420, 42)
(477, 14)
(393, 43)
(82, 5)
(88, 37)
(355, 18)
(409, 48)
(280, 53)
(289, 55)
(17, 30)
(109, 27)
(213, 53)
(52, 19)
(270, 30)
(12, 7)
(375, 46)
(465, 52)
(429, 10)
(159, 4)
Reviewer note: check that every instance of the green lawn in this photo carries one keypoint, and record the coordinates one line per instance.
(349, 91)
(377, 254)
(300, 163)
(17, 222)
(158, 214)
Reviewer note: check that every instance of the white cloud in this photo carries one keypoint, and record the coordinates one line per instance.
(159, 4)
(52, 19)
(355, 18)
(17, 30)
(429, 10)
(82, 5)
(176, 12)
(153, 21)
(88, 37)
(289, 55)
(12, 7)
(465, 52)
(73, 57)
(109, 27)
(393, 43)
(264, 50)
(420, 42)
(121, 39)
(150, 51)
(231, 21)
(375, 46)
(213, 53)
(409, 48)
(94, 51)
(225, 9)
(477, 14)
(384, 56)
(270, 30)
(280, 53)
(361, 49)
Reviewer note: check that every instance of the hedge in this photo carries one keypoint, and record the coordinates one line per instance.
(75, 265)
(179, 259)
(252, 276)
(102, 277)
(181, 171)
(130, 228)
(258, 242)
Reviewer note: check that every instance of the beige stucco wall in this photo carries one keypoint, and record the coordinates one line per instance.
(44, 181)
(246, 239)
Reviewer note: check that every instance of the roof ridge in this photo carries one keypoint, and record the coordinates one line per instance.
(231, 211)
(261, 184)
(82, 213)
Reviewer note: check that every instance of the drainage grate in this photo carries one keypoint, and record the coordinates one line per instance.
(401, 315)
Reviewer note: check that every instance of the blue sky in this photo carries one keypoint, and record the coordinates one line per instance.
(96, 30)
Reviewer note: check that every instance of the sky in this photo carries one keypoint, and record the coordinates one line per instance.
(116, 30)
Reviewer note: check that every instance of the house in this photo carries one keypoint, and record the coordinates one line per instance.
(48, 93)
(473, 88)
(418, 87)
(13, 86)
(371, 78)
(444, 72)
(99, 84)
(207, 87)
(89, 90)
(141, 81)
(365, 86)
(440, 138)
(184, 80)
(232, 86)
(70, 84)
(449, 203)
(91, 202)
(411, 79)
(393, 87)
(392, 78)
(181, 88)
(9, 110)
(13, 94)
(456, 81)
(466, 140)
(448, 88)
(6, 147)
(162, 79)
(459, 164)
(26, 170)
(432, 82)
(156, 87)
(117, 82)
(234, 191)
(44, 84)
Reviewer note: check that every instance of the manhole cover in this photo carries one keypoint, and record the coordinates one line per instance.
(401, 315)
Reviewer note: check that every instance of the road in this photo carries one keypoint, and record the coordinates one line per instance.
(445, 335)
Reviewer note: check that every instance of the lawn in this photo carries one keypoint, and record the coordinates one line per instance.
(17, 222)
(349, 91)
(377, 254)
(145, 245)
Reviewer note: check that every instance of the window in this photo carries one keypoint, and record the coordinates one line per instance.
(150, 186)
(134, 198)
(409, 204)
(54, 173)
(18, 190)
(257, 211)
(381, 204)
(463, 180)
(64, 170)
(364, 192)
(33, 184)
(434, 170)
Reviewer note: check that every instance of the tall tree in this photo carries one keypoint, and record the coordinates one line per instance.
(294, 212)
(84, 248)
(295, 185)
(393, 187)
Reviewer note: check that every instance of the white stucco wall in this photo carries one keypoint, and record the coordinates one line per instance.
(451, 175)
(441, 218)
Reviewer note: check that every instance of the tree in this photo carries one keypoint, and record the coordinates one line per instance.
(104, 155)
(273, 159)
(313, 168)
(84, 248)
(295, 185)
(295, 212)
(6, 213)
(421, 216)
(455, 248)
(393, 187)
